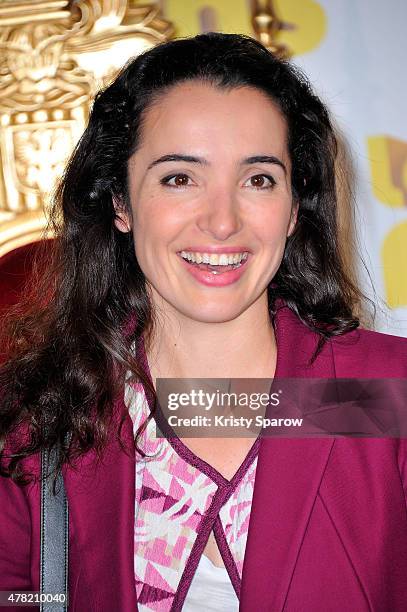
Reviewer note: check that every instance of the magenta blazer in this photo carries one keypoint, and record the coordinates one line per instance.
(328, 527)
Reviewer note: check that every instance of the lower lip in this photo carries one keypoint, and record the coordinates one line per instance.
(205, 277)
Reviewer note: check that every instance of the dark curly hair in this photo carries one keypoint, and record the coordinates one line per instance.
(70, 350)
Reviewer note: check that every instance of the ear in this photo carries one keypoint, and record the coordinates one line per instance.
(122, 220)
(293, 218)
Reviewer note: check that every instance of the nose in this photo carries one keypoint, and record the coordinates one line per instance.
(219, 215)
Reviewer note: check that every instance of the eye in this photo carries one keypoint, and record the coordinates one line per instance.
(176, 180)
(261, 181)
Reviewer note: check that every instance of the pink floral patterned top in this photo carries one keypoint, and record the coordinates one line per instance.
(180, 499)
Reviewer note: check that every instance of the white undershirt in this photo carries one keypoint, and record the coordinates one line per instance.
(211, 590)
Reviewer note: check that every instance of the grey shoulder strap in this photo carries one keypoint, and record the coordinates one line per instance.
(54, 537)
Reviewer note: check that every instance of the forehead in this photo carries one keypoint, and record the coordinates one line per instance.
(203, 116)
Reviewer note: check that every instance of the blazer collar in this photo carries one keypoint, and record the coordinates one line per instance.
(101, 497)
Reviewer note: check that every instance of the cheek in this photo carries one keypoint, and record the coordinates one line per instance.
(273, 229)
(145, 246)
(158, 222)
(143, 238)
(154, 233)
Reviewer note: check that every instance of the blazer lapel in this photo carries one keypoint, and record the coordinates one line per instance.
(101, 497)
(289, 472)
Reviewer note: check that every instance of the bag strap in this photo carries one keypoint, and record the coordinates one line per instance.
(54, 535)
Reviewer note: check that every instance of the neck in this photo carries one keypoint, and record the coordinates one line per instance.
(244, 347)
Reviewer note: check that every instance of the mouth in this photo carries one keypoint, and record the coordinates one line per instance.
(215, 263)
(215, 269)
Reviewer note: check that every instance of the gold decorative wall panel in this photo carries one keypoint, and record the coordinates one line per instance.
(54, 55)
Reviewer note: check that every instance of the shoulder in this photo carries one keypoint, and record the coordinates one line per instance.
(357, 354)
(367, 353)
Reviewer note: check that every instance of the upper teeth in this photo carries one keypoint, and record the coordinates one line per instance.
(214, 259)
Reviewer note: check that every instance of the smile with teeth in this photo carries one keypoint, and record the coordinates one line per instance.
(217, 263)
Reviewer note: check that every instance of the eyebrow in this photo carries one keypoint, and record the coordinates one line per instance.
(174, 157)
(265, 159)
(255, 159)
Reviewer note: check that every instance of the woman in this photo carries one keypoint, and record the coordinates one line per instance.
(198, 239)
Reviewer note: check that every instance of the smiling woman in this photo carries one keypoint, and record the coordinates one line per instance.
(197, 238)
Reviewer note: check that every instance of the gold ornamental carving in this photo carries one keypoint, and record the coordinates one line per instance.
(267, 25)
(54, 56)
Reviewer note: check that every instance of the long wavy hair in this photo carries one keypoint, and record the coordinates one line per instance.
(70, 346)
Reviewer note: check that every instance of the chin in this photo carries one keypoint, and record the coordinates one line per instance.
(212, 314)
(203, 309)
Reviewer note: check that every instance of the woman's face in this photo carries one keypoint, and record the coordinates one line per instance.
(210, 192)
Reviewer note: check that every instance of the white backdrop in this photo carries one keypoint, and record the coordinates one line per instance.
(359, 70)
